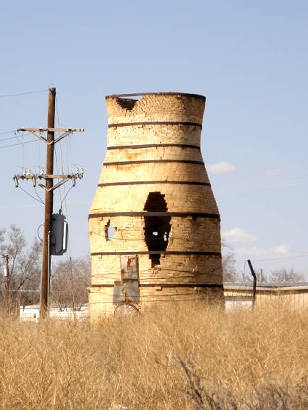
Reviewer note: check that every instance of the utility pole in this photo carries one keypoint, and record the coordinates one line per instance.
(49, 187)
(7, 282)
(46, 259)
(254, 290)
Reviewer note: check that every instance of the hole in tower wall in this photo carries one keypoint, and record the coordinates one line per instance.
(109, 230)
(127, 103)
(157, 228)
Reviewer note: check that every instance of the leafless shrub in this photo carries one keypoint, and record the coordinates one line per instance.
(24, 267)
(200, 396)
(69, 283)
(285, 275)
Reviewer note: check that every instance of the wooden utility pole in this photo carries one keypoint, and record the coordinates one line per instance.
(49, 187)
(48, 202)
(254, 290)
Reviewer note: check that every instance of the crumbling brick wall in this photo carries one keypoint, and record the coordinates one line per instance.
(154, 213)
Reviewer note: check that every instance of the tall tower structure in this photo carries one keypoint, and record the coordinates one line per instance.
(154, 224)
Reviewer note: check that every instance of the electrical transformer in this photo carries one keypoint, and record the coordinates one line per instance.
(58, 235)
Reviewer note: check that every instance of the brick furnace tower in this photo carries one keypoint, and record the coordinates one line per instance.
(154, 224)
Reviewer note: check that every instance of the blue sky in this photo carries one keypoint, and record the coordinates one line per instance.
(250, 60)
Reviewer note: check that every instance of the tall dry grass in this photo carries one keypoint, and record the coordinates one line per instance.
(179, 356)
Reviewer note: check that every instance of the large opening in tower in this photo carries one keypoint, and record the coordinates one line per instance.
(157, 227)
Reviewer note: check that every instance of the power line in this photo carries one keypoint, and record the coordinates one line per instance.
(9, 138)
(58, 171)
(23, 93)
(33, 197)
(18, 143)
(15, 137)
(282, 257)
(7, 132)
(36, 193)
(65, 195)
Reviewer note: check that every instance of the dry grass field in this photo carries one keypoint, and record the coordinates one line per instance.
(180, 356)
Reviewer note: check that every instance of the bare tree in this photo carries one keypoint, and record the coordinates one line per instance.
(2, 251)
(24, 265)
(284, 275)
(69, 283)
(228, 264)
(261, 276)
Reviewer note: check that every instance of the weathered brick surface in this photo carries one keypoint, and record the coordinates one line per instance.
(153, 134)
(190, 234)
(157, 107)
(188, 198)
(154, 172)
(176, 153)
(187, 234)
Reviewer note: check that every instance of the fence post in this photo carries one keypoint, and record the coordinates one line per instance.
(254, 289)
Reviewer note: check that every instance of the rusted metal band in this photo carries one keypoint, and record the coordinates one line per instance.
(153, 146)
(155, 182)
(145, 214)
(201, 97)
(167, 285)
(154, 161)
(182, 285)
(268, 291)
(131, 124)
(205, 253)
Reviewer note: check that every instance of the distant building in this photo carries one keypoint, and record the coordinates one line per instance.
(32, 313)
(239, 294)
